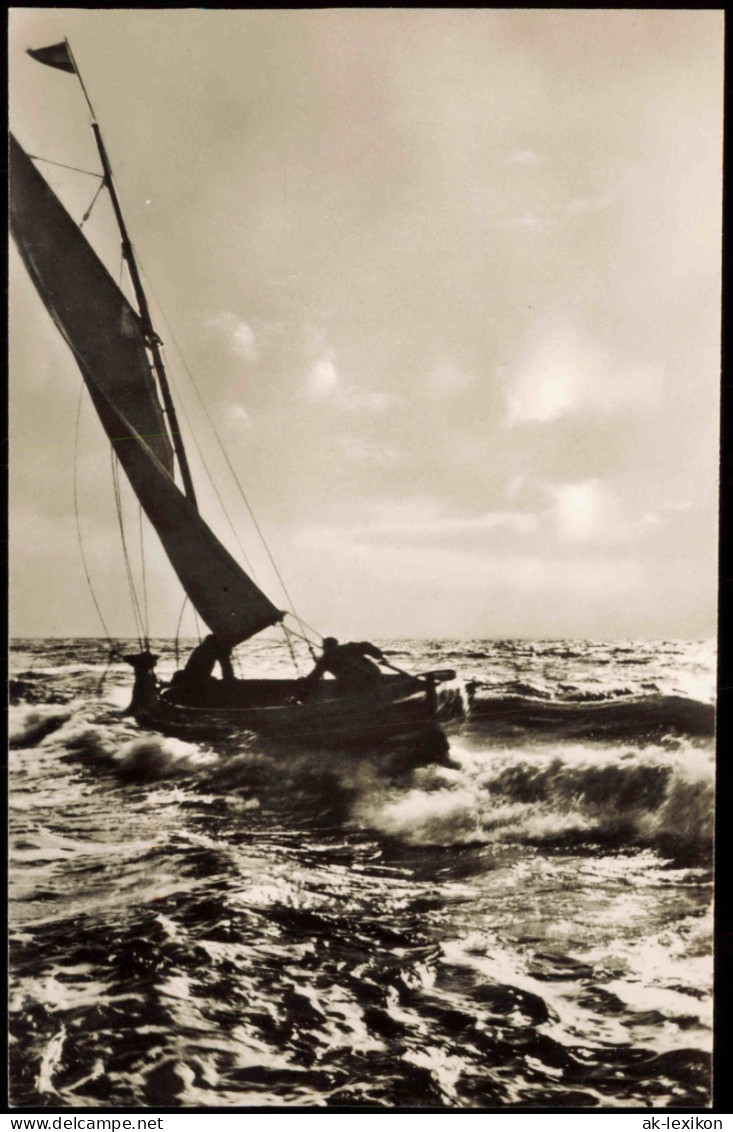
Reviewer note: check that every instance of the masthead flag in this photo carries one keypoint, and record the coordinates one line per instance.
(58, 55)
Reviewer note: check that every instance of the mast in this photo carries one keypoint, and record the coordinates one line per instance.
(152, 339)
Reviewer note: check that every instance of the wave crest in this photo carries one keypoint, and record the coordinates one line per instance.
(653, 798)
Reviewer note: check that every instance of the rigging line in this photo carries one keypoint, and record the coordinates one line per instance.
(226, 456)
(307, 640)
(78, 520)
(297, 634)
(88, 212)
(113, 654)
(286, 631)
(240, 489)
(128, 568)
(210, 477)
(144, 578)
(178, 628)
(304, 624)
(316, 632)
(61, 165)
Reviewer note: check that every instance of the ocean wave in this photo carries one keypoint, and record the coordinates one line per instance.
(568, 795)
(29, 726)
(561, 789)
(27, 689)
(642, 719)
(152, 757)
(513, 688)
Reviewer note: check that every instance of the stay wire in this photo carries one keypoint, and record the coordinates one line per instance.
(88, 212)
(78, 520)
(113, 655)
(178, 628)
(128, 567)
(293, 657)
(315, 632)
(141, 530)
(61, 165)
(301, 637)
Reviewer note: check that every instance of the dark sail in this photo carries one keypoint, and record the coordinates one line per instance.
(99, 324)
(104, 334)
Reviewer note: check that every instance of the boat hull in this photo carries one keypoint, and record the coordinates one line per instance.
(398, 711)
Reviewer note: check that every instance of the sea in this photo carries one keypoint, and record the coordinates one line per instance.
(228, 925)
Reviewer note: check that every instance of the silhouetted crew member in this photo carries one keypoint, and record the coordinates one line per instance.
(200, 664)
(145, 688)
(349, 664)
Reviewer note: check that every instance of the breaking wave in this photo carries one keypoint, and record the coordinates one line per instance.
(560, 797)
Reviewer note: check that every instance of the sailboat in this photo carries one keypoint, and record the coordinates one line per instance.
(118, 351)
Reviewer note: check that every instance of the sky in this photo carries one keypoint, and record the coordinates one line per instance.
(447, 283)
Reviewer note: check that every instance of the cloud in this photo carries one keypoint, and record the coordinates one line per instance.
(243, 342)
(678, 505)
(355, 400)
(448, 379)
(397, 588)
(425, 518)
(238, 333)
(592, 204)
(438, 527)
(529, 220)
(359, 451)
(524, 157)
(563, 373)
(579, 205)
(240, 414)
(323, 378)
(325, 383)
(463, 451)
(589, 512)
(579, 510)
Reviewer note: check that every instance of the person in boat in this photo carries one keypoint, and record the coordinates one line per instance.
(349, 663)
(200, 665)
(145, 688)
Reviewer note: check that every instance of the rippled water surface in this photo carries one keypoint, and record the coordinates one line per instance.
(197, 925)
